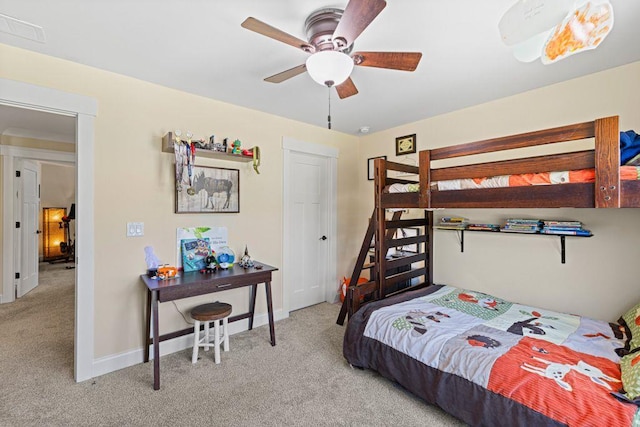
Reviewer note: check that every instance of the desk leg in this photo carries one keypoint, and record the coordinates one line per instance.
(156, 342)
(270, 311)
(147, 328)
(252, 304)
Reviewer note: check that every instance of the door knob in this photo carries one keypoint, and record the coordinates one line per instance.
(38, 231)
(323, 238)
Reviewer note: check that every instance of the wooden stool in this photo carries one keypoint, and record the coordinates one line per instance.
(207, 313)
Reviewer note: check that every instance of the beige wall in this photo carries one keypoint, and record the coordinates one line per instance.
(134, 181)
(599, 278)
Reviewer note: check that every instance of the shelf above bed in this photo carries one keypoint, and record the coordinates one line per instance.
(561, 236)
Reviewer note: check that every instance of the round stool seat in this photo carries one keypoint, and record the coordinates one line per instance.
(208, 313)
(211, 311)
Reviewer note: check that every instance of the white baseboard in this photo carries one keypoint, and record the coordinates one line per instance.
(114, 362)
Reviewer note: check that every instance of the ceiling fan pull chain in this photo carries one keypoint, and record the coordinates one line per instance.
(329, 116)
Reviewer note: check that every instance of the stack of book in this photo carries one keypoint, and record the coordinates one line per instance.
(517, 225)
(569, 228)
(452, 223)
(483, 227)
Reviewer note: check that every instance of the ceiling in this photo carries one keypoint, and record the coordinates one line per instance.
(198, 46)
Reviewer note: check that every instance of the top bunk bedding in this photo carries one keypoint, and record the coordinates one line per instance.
(489, 361)
(606, 176)
(627, 173)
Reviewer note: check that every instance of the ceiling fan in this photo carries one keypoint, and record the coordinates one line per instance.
(331, 33)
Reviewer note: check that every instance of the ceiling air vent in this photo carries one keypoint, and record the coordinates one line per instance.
(21, 28)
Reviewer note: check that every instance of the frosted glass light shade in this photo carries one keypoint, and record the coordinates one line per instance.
(329, 67)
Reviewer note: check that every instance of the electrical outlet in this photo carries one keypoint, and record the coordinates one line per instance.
(135, 229)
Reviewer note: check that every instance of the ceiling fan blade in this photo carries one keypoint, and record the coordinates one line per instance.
(356, 17)
(346, 89)
(292, 72)
(405, 61)
(267, 30)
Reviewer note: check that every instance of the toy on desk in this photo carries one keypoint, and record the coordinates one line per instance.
(211, 264)
(246, 261)
(167, 272)
(225, 257)
(152, 262)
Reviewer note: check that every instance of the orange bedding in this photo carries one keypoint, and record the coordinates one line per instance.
(629, 173)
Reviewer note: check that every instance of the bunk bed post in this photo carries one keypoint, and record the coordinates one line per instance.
(380, 241)
(424, 163)
(607, 162)
(428, 258)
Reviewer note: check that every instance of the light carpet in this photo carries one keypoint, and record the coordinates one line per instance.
(302, 381)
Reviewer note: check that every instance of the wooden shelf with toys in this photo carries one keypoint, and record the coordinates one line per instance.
(249, 154)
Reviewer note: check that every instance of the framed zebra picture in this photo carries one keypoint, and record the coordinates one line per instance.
(208, 190)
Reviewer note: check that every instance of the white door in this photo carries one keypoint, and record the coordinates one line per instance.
(308, 215)
(29, 186)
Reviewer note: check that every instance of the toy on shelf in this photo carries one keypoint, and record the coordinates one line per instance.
(236, 147)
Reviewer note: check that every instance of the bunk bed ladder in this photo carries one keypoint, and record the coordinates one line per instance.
(412, 258)
(381, 285)
(359, 266)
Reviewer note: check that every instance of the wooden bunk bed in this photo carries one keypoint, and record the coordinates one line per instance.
(606, 191)
(458, 392)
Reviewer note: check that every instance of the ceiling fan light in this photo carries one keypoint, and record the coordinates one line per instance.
(329, 67)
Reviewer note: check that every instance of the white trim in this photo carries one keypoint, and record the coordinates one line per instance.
(289, 145)
(19, 94)
(37, 154)
(30, 96)
(8, 281)
(309, 148)
(115, 362)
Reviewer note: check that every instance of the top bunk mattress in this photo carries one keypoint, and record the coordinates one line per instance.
(627, 173)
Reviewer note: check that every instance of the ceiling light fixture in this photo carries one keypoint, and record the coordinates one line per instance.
(555, 30)
(329, 67)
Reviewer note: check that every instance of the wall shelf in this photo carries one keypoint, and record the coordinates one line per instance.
(167, 147)
(561, 236)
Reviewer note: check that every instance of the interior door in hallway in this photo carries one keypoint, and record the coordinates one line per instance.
(310, 229)
(29, 186)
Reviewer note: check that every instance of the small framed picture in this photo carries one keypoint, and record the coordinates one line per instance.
(370, 167)
(208, 190)
(406, 144)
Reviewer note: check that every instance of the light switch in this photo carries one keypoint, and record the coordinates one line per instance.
(135, 229)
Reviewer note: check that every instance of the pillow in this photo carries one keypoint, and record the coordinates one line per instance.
(631, 322)
(630, 370)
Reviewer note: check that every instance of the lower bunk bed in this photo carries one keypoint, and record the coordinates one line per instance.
(492, 362)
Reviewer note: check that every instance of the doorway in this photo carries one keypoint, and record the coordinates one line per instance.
(309, 213)
(83, 109)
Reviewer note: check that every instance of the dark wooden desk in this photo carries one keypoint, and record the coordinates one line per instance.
(193, 284)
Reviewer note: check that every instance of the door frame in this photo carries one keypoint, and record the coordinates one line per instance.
(290, 145)
(84, 109)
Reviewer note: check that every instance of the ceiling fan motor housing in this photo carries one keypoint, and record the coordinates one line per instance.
(319, 28)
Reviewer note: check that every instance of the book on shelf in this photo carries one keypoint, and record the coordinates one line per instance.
(558, 223)
(512, 230)
(453, 219)
(561, 228)
(576, 232)
(450, 226)
(484, 227)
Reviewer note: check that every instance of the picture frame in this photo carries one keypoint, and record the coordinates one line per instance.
(402, 233)
(370, 167)
(214, 190)
(406, 144)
